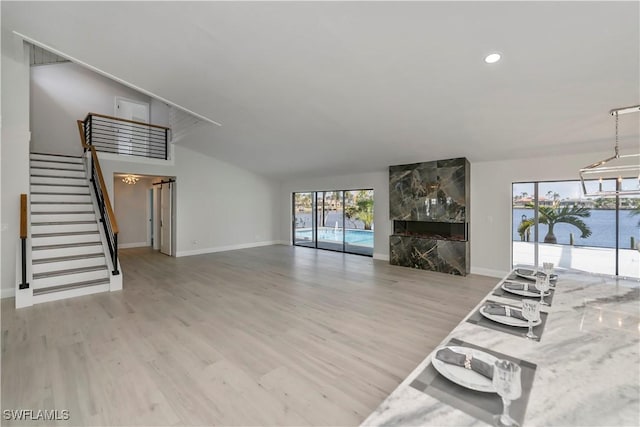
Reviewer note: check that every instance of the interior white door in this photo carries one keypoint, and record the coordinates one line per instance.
(132, 139)
(165, 218)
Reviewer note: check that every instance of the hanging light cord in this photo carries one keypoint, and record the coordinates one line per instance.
(616, 148)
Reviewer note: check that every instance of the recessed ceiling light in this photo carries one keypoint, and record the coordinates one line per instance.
(492, 58)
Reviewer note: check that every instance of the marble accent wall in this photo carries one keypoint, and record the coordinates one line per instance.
(435, 194)
(431, 191)
(445, 256)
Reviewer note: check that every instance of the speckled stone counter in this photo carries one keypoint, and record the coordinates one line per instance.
(588, 361)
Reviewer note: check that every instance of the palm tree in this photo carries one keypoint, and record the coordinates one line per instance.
(362, 210)
(552, 215)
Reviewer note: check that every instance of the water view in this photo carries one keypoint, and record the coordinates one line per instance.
(601, 223)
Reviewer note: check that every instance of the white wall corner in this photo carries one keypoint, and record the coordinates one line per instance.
(7, 292)
(382, 257)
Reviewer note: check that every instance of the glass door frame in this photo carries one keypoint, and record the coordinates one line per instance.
(315, 223)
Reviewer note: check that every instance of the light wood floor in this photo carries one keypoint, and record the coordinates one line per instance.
(275, 335)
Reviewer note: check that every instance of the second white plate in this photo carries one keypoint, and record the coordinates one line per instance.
(505, 320)
(523, 293)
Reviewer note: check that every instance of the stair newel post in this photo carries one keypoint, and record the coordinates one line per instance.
(23, 240)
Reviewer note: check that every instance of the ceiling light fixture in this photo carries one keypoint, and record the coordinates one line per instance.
(492, 58)
(130, 179)
(606, 178)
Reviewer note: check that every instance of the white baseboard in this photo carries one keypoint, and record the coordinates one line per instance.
(227, 248)
(132, 245)
(7, 292)
(382, 257)
(488, 272)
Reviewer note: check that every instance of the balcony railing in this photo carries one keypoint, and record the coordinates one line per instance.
(126, 137)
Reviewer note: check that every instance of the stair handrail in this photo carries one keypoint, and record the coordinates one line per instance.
(145, 139)
(24, 233)
(107, 217)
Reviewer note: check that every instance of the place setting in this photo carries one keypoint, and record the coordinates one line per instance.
(511, 319)
(530, 283)
(483, 383)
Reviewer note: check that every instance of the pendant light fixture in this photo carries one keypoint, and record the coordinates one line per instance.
(618, 175)
(130, 179)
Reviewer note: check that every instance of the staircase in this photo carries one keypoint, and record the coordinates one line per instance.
(68, 256)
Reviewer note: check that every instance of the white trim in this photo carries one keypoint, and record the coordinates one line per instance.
(137, 159)
(112, 77)
(488, 272)
(227, 248)
(132, 245)
(8, 292)
(382, 257)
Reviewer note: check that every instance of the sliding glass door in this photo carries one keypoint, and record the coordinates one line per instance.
(596, 235)
(303, 219)
(336, 220)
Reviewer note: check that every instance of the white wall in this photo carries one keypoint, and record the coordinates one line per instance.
(14, 152)
(491, 198)
(131, 206)
(379, 181)
(63, 93)
(218, 206)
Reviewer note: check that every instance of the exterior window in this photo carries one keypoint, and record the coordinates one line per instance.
(554, 221)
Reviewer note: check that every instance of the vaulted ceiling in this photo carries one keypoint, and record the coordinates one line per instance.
(341, 87)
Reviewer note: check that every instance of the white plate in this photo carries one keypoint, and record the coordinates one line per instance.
(529, 274)
(526, 273)
(462, 376)
(523, 293)
(506, 320)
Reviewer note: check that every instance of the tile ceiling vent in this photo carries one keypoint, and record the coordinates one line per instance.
(40, 56)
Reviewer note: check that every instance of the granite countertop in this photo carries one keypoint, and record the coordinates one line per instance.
(588, 361)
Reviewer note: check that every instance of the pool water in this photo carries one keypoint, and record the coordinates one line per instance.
(354, 237)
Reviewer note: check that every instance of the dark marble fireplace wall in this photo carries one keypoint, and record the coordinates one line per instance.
(430, 191)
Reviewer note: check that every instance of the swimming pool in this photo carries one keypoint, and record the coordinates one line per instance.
(354, 237)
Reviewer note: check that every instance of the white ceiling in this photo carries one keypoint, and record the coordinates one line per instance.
(325, 88)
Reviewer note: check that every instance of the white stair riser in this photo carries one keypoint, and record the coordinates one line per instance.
(69, 278)
(37, 218)
(51, 158)
(59, 189)
(58, 173)
(59, 240)
(62, 228)
(56, 164)
(78, 250)
(61, 198)
(67, 264)
(55, 296)
(61, 208)
(57, 180)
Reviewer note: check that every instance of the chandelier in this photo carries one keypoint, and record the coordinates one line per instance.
(130, 179)
(618, 175)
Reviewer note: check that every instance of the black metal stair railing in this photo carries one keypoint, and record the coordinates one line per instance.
(126, 137)
(107, 216)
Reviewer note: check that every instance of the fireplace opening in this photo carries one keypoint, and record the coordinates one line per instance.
(431, 230)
